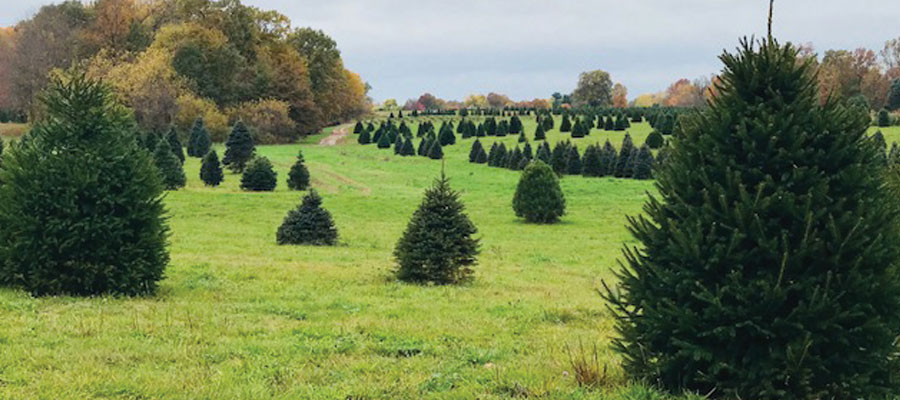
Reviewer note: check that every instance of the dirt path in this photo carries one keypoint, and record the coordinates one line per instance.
(336, 136)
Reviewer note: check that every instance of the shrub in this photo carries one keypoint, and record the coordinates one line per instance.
(538, 197)
(211, 170)
(298, 176)
(437, 246)
(239, 149)
(768, 266)
(259, 176)
(170, 170)
(308, 224)
(81, 204)
(199, 142)
(655, 140)
(269, 119)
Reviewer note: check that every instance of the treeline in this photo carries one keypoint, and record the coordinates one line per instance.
(172, 60)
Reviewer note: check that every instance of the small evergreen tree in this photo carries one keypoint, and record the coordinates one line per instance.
(398, 145)
(655, 140)
(298, 176)
(544, 153)
(211, 170)
(199, 141)
(515, 125)
(565, 125)
(476, 148)
(447, 137)
(893, 99)
(437, 246)
(364, 138)
(573, 161)
(239, 148)
(424, 146)
(308, 224)
(880, 147)
(592, 165)
(170, 169)
(884, 119)
(175, 145)
(625, 151)
(358, 128)
(609, 159)
(514, 159)
(547, 122)
(643, 163)
(408, 148)
(384, 141)
(538, 197)
(436, 152)
(559, 157)
(259, 176)
(539, 133)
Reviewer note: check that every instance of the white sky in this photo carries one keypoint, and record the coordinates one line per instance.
(532, 48)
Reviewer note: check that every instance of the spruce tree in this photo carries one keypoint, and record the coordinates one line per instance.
(239, 148)
(175, 145)
(527, 153)
(170, 169)
(259, 176)
(767, 266)
(884, 119)
(514, 159)
(515, 125)
(211, 170)
(447, 137)
(544, 153)
(476, 148)
(592, 165)
(358, 128)
(398, 145)
(438, 245)
(408, 148)
(364, 138)
(308, 224)
(538, 197)
(539, 133)
(609, 159)
(655, 140)
(424, 146)
(81, 205)
(893, 99)
(610, 124)
(565, 125)
(625, 151)
(559, 157)
(384, 141)
(547, 122)
(199, 141)
(643, 163)
(573, 161)
(481, 157)
(298, 176)
(436, 152)
(881, 148)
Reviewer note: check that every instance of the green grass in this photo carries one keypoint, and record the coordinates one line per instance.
(240, 317)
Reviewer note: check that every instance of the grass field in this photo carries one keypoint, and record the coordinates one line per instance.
(240, 317)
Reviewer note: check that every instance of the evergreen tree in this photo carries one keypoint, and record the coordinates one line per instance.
(199, 142)
(514, 159)
(893, 99)
(643, 163)
(547, 122)
(538, 197)
(884, 119)
(358, 128)
(88, 220)
(481, 157)
(175, 145)
(609, 159)
(438, 244)
(543, 153)
(767, 269)
(578, 129)
(170, 170)
(655, 140)
(364, 138)
(259, 176)
(592, 165)
(527, 153)
(880, 147)
(625, 151)
(398, 145)
(447, 137)
(515, 125)
(573, 161)
(610, 124)
(308, 224)
(239, 148)
(894, 155)
(476, 148)
(565, 125)
(150, 140)
(559, 157)
(211, 170)
(424, 146)
(408, 148)
(539, 133)
(298, 176)
(384, 141)
(436, 152)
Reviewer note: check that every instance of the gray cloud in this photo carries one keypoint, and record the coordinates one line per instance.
(531, 48)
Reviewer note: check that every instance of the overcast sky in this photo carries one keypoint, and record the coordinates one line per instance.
(531, 48)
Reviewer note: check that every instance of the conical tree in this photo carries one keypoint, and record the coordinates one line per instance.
(408, 148)
(609, 159)
(881, 147)
(573, 161)
(259, 176)
(398, 144)
(539, 133)
(175, 144)
(884, 119)
(559, 157)
(364, 138)
(170, 170)
(81, 205)
(767, 269)
(437, 246)
(476, 148)
(565, 125)
(199, 142)
(592, 162)
(239, 148)
(211, 170)
(643, 163)
(538, 197)
(298, 176)
(625, 151)
(655, 139)
(308, 224)
(436, 152)
(358, 128)
(544, 153)
(384, 141)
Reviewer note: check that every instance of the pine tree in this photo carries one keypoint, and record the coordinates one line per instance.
(539, 133)
(894, 155)
(438, 245)
(538, 197)
(578, 129)
(150, 140)
(610, 124)
(893, 99)
(515, 125)
(447, 137)
(170, 170)
(544, 153)
(398, 145)
(609, 159)
(548, 122)
(199, 142)
(90, 219)
(298, 176)
(211, 170)
(358, 128)
(259, 176)
(643, 163)
(565, 125)
(592, 165)
(308, 224)
(364, 138)
(481, 157)
(424, 146)
(436, 152)
(408, 148)
(175, 145)
(625, 151)
(559, 157)
(884, 119)
(767, 267)
(573, 161)
(239, 148)
(881, 147)
(655, 140)
(476, 148)
(384, 141)
(514, 159)
(527, 153)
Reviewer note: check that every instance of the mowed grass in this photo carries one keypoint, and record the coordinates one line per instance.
(241, 317)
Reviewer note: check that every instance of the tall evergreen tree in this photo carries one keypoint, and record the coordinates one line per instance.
(170, 170)
(591, 163)
(81, 205)
(211, 170)
(298, 176)
(308, 224)
(538, 197)
(559, 157)
(199, 142)
(175, 145)
(239, 148)
(767, 269)
(438, 245)
(573, 161)
(609, 159)
(643, 163)
(625, 151)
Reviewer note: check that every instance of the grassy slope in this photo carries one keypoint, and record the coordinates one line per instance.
(240, 317)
